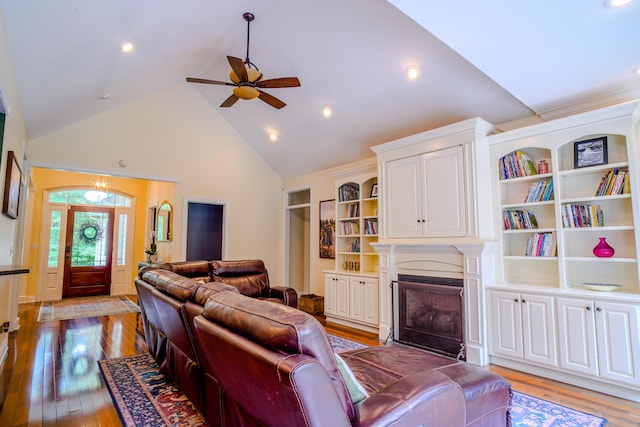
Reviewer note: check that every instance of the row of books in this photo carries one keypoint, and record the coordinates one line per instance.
(348, 228)
(519, 219)
(614, 181)
(516, 165)
(348, 192)
(540, 191)
(353, 210)
(541, 244)
(577, 216)
(354, 246)
(371, 227)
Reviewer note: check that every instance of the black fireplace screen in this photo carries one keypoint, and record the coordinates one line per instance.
(429, 313)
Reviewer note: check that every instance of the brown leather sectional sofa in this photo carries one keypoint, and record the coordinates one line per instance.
(245, 361)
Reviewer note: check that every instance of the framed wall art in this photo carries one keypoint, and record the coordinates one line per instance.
(12, 182)
(328, 229)
(590, 152)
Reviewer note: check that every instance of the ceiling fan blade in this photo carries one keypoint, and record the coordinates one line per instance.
(271, 100)
(206, 81)
(229, 101)
(238, 67)
(280, 82)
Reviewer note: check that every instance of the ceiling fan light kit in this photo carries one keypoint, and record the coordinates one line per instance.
(248, 80)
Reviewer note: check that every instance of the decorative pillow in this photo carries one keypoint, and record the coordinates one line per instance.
(356, 391)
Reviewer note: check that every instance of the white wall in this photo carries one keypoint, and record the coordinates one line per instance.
(177, 134)
(14, 136)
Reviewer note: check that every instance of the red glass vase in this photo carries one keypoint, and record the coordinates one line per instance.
(602, 249)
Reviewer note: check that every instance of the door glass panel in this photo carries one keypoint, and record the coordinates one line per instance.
(54, 239)
(89, 248)
(122, 239)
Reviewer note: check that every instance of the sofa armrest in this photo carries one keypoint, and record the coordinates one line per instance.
(426, 398)
(288, 295)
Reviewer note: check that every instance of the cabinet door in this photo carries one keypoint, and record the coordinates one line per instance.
(356, 294)
(539, 329)
(371, 301)
(506, 324)
(330, 294)
(403, 198)
(342, 296)
(443, 197)
(618, 341)
(577, 337)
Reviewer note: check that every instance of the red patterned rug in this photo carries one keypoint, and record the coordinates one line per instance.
(144, 396)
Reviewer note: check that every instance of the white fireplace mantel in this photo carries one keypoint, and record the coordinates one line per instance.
(473, 261)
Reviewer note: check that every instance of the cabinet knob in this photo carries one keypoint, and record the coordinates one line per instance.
(516, 300)
(523, 300)
(598, 309)
(588, 308)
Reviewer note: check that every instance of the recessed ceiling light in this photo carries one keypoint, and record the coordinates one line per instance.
(126, 47)
(327, 112)
(412, 72)
(105, 96)
(273, 136)
(616, 3)
(637, 71)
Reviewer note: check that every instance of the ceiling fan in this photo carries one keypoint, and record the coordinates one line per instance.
(248, 80)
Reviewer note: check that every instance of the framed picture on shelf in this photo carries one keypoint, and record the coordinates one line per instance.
(374, 190)
(328, 229)
(590, 152)
(11, 187)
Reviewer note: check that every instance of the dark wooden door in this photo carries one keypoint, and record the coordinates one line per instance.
(88, 251)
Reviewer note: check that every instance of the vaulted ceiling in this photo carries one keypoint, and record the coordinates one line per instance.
(496, 59)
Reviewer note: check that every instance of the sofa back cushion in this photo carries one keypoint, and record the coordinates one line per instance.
(250, 277)
(180, 287)
(279, 328)
(196, 270)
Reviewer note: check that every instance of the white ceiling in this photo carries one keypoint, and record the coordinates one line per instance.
(497, 59)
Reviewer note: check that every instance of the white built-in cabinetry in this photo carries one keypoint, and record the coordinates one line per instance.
(523, 326)
(425, 195)
(351, 289)
(545, 318)
(600, 338)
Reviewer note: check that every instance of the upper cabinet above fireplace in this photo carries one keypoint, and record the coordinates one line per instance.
(431, 187)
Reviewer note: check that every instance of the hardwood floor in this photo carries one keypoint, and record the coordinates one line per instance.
(46, 382)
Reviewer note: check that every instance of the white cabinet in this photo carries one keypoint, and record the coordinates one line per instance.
(600, 338)
(425, 195)
(523, 327)
(352, 300)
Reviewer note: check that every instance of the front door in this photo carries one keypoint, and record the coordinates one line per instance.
(88, 249)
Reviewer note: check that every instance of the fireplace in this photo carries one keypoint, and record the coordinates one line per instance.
(428, 312)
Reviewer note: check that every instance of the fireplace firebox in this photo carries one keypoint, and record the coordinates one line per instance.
(428, 312)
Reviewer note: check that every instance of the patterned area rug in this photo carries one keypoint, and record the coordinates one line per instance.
(75, 308)
(340, 344)
(144, 396)
(530, 411)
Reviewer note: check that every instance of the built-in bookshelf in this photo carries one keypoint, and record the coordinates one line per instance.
(357, 222)
(545, 196)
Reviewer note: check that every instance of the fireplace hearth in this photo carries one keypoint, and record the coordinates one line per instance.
(428, 313)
